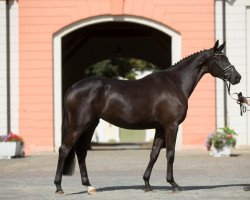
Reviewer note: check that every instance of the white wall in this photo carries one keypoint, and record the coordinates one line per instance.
(236, 37)
(13, 65)
(3, 92)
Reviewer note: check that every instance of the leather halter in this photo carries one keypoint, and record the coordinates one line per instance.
(240, 99)
(223, 71)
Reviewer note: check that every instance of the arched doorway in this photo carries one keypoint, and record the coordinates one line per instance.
(86, 42)
(88, 45)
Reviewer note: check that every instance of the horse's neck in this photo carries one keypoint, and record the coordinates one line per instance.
(189, 74)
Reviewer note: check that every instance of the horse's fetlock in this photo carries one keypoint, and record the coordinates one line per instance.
(170, 180)
(146, 176)
(85, 181)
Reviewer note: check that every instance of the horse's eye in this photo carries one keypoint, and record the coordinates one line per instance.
(218, 57)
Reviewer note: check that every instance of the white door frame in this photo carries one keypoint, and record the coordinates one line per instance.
(248, 66)
(57, 71)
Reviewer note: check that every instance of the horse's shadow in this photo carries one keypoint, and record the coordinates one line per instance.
(165, 188)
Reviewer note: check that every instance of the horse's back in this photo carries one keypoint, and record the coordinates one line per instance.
(128, 104)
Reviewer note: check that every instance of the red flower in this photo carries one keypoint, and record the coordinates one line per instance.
(229, 136)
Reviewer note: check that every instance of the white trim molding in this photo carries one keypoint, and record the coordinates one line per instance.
(3, 63)
(57, 46)
(14, 68)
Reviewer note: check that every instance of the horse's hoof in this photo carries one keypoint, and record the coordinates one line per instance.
(59, 192)
(177, 189)
(147, 189)
(91, 190)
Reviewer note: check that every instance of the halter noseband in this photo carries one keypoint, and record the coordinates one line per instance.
(223, 71)
(240, 99)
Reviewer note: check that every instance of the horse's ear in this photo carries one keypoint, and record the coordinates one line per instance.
(221, 47)
(216, 45)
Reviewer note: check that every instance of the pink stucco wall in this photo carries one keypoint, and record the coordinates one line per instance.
(40, 19)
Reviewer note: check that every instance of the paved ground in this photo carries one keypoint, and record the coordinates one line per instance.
(118, 174)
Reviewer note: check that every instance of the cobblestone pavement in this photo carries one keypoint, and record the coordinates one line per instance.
(117, 174)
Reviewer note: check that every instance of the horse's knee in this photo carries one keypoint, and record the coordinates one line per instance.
(156, 150)
(170, 156)
(154, 155)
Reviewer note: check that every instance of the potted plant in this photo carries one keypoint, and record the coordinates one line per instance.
(11, 145)
(220, 143)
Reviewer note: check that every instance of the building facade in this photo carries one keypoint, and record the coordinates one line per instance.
(52, 41)
(237, 27)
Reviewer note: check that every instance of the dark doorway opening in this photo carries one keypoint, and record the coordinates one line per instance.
(113, 42)
(94, 43)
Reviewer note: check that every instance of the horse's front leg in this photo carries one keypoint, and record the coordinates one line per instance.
(81, 152)
(157, 145)
(170, 140)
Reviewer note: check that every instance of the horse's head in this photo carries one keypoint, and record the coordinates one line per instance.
(219, 65)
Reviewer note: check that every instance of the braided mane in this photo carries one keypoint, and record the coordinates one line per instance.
(184, 59)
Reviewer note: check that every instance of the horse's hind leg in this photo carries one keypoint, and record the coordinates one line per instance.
(66, 150)
(170, 140)
(157, 145)
(81, 152)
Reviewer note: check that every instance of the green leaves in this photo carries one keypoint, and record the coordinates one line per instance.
(219, 139)
(228, 130)
(126, 68)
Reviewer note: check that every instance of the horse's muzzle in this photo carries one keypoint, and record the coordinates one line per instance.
(235, 79)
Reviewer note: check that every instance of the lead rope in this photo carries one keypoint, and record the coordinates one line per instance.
(241, 100)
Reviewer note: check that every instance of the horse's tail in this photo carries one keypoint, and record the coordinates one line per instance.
(69, 165)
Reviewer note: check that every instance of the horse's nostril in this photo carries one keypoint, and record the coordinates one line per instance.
(238, 78)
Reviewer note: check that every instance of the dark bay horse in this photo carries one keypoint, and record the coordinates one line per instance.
(159, 101)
